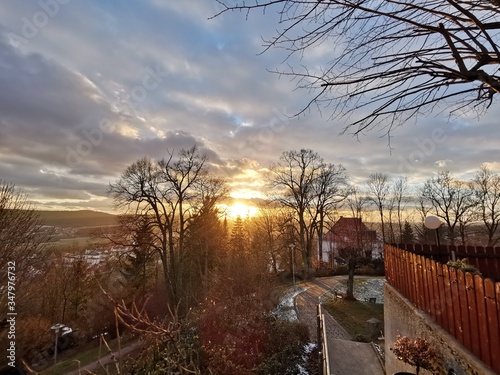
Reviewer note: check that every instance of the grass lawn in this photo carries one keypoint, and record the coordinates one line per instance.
(352, 315)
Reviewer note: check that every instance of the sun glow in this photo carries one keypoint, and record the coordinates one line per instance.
(242, 210)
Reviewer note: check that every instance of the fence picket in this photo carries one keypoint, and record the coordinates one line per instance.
(471, 302)
(465, 305)
(493, 264)
(428, 287)
(450, 318)
(450, 251)
(410, 271)
(425, 279)
(492, 299)
(464, 310)
(456, 304)
(461, 252)
(437, 304)
(482, 261)
(442, 297)
(419, 282)
(482, 319)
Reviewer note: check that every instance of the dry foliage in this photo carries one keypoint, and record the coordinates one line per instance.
(416, 352)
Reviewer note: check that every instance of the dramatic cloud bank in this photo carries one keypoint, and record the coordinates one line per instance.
(90, 87)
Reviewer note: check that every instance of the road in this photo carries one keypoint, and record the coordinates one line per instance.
(347, 357)
(107, 360)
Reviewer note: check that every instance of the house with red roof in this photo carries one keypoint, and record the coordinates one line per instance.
(349, 233)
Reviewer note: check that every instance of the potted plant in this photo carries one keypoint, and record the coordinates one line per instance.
(416, 352)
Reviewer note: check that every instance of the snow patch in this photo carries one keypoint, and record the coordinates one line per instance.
(364, 289)
(285, 310)
(308, 348)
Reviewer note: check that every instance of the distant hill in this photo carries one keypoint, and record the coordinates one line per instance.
(77, 219)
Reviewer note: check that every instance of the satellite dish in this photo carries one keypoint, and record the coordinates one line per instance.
(432, 222)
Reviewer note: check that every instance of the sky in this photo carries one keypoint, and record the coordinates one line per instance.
(90, 87)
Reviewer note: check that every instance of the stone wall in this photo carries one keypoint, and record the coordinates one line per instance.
(401, 316)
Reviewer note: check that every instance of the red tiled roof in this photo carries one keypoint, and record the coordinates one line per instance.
(349, 227)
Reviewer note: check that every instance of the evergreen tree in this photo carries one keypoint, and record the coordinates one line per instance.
(137, 264)
(206, 243)
(239, 238)
(408, 236)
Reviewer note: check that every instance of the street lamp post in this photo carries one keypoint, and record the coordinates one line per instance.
(292, 247)
(56, 328)
(433, 222)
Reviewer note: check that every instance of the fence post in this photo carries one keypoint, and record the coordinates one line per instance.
(465, 305)
(320, 341)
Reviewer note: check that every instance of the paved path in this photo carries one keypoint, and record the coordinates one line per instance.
(347, 357)
(106, 360)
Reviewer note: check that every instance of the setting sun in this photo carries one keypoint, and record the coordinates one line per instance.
(241, 210)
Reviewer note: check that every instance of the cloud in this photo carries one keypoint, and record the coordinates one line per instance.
(102, 85)
(442, 163)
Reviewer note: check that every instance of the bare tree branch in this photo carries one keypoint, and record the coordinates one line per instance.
(408, 56)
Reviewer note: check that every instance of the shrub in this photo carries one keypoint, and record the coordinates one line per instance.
(285, 349)
(233, 335)
(415, 352)
(322, 269)
(341, 270)
(463, 265)
(166, 356)
(33, 336)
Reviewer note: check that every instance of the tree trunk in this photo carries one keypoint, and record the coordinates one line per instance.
(320, 247)
(382, 223)
(350, 281)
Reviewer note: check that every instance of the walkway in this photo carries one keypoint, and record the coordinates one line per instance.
(107, 360)
(347, 357)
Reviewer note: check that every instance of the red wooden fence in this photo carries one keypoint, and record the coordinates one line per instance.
(485, 258)
(467, 306)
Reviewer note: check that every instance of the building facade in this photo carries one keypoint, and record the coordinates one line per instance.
(349, 233)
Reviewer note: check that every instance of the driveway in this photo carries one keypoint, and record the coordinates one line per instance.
(347, 357)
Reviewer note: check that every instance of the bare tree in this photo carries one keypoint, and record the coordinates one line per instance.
(399, 190)
(170, 192)
(390, 233)
(294, 175)
(451, 200)
(379, 187)
(392, 60)
(71, 282)
(355, 240)
(308, 187)
(423, 208)
(331, 189)
(486, 186)
(465, 222)
(21, 229)
(268, 234)
(22, 240)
